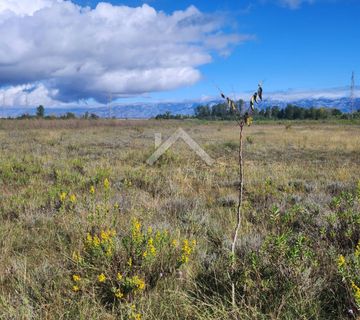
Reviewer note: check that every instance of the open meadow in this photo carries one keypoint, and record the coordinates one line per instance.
(88, 230)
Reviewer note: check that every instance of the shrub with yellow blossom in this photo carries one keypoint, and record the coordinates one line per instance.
(349, 268)
(100, 245)
(122, 268)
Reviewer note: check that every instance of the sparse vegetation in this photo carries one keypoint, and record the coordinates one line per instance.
(89, 231)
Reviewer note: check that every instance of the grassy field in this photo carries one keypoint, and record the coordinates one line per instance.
(88, 230)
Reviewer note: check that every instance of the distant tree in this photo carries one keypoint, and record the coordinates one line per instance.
(336, 112)
(323, 113)
(167, 115)
(68, 115)
(220, 111)
(299, 113)
(202, 112)
(289, 112)
(275, 112)
(40, 111)
(94, 116)
(25, 116)
(267, 113)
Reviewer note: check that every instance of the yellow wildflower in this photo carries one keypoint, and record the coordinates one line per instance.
(186, 247)
(106, 184)
(76, 256)
(129, 262)
(88, 239)
(354, 286)
(76, 277)
(152, 250)
(118, 294)
(75, 288)
(72, 198)
(119, 276)
(186, 251)
(133, 314)
(357, 250)
(104, 235)
(101, 277)
(136, 229)
(62, 196)
(136, 225)
(184, 258)
(109, 252)
(96, 241)
(139, 283)
(174, 243)
(341, 261)
(92, 189)
(356, 292)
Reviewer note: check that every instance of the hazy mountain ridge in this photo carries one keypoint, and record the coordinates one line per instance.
(148, 110)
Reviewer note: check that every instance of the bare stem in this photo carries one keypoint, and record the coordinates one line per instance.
(240, 200)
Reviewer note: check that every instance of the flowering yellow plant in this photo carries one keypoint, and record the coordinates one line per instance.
(106, 184)
(76, 278)
(72, 198)
(62, 196)
(101, 277)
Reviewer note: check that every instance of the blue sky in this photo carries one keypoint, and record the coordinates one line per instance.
(287, 44)
(313, 46)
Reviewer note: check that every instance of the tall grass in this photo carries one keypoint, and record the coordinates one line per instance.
(300, 215)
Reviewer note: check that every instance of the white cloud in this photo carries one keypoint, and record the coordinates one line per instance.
(28, 95)
(331, 94)
(294, 4)
(24, 7)
(81, 52)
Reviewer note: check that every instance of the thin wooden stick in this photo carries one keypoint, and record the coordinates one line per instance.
(239, 206)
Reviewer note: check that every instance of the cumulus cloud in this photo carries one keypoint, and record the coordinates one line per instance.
(28, 95)
(77, 52)
(23, 8)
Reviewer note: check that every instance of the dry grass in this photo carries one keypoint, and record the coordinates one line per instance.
(292, 177)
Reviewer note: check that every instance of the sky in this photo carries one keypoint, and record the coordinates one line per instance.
(57, 52)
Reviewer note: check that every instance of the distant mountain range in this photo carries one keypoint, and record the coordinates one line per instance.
(148, 110)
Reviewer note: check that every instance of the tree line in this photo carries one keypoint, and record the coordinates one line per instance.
(40, 114)
(290, 112)
(221, 111)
